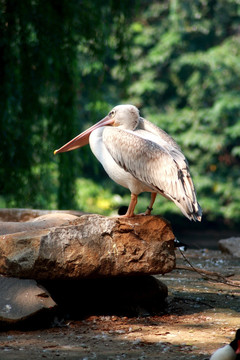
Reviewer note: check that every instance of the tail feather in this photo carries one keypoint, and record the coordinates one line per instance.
(188, 202)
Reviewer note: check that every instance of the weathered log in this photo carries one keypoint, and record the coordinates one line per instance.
(91, 246)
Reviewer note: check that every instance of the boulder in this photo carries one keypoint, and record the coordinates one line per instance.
(91, 246)
(42, 222)
(19, 215)
(230, 246)
(21, 299)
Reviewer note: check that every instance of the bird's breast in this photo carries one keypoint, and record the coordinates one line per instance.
(114, 171)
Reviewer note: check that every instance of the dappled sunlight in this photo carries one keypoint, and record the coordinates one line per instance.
(112, 336)
(201, 316)
(96, 198)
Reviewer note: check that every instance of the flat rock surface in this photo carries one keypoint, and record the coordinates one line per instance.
(89, 246)
(201, 317)
(42, 222)
(230, 246)
(22, 215)
(20, 299)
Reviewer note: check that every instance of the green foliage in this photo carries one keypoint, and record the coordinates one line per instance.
(96, 198)
(186, 78)
(54, 61)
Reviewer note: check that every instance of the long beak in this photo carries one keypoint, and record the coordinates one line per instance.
(83, 138)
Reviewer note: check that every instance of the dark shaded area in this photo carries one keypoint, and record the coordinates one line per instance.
(54, 64)
(121, 296)
(78, 299)
(202, 235)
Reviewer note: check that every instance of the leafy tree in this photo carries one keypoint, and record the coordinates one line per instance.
(64, 64)
(55, 59)
(185, 76)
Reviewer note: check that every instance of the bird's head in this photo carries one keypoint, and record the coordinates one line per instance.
(123, 116)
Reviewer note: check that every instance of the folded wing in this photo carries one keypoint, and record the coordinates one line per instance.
(163, 167)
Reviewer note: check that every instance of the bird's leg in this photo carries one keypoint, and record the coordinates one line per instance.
(149, 208)
(131, 207)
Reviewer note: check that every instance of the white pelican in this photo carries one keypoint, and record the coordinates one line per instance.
(230, 351)
(141, 157)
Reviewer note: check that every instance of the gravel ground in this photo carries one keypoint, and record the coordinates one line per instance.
(200, 317)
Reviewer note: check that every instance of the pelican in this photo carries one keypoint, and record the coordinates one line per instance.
(140, 156)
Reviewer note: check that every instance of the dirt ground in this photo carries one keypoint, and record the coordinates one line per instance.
(200, 317)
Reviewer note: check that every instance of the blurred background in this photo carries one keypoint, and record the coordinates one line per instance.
(65, 63)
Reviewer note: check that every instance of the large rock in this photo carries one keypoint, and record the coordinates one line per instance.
(21, 299)
(42, 222)
(19, 215)
(90, 246)
(230, 246)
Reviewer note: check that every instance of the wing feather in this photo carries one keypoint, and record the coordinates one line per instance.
(162, 168)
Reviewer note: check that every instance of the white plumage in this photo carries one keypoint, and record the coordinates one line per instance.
(141, 157)
(230, 351)
(224, 353)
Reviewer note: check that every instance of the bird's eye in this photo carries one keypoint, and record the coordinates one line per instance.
(112, 113)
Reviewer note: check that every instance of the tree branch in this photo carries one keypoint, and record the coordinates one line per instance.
(208, 275)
